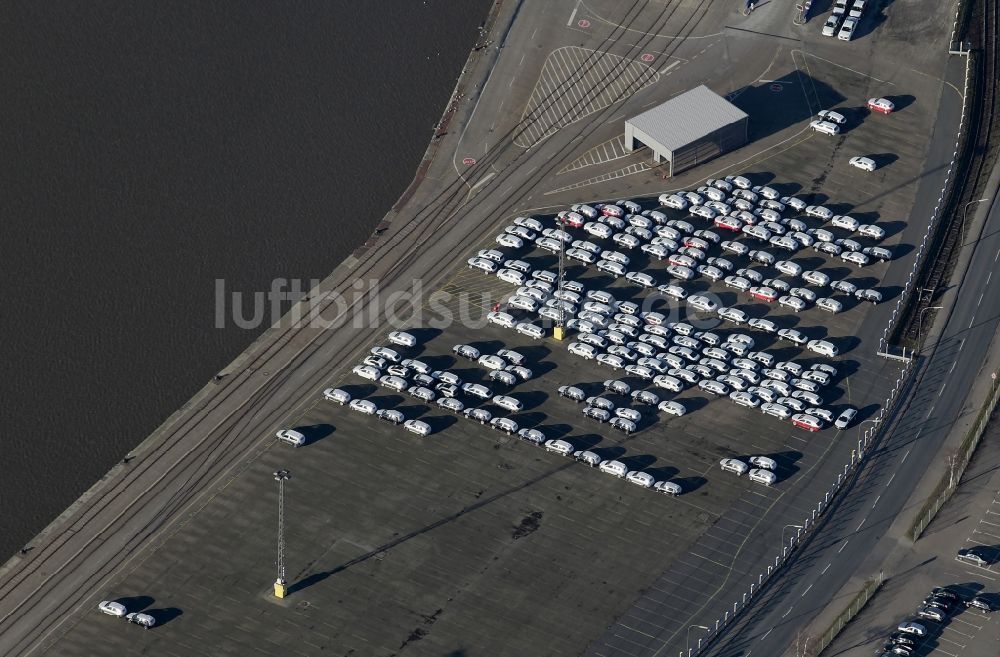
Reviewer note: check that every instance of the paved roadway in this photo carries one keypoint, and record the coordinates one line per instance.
(969, 519)
(150, 500)
(852, 537)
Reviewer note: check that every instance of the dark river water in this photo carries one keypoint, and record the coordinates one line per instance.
(151, 148)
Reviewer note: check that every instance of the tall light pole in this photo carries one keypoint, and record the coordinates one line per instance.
(280, 587)
(700, 627)
(560, 331)
(965, 214)
(920, 320)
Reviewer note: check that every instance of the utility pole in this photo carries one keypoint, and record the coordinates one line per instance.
(560, 330)
(280, 586)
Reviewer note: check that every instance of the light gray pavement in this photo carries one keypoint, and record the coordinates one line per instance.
(138, 529)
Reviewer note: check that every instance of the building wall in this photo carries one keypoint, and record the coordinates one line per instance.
(721, 141)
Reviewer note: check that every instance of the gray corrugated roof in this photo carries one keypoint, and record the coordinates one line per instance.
(687, 118)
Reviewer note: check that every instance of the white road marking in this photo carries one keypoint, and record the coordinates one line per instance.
(669, 66)
(988, 277)
(765, 635)
(859, 526)
(978, 303)
(787, 612)
(964, 622)
(573, 15)
(484, 179)
(943, 386)
(823, 572)
(929, 411)
(806, 591)
(952, 368)
(876, 500)
(890, 480)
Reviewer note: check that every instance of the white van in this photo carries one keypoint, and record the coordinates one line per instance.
(589, 458)
(823, 348)
(616, 468)
(674, 201)
(337, 395)
(501, 319)
(292, 437)
(504, 424)
(762, 476)
(643, 479)
(530, 330)
(825, 127)
(507, 402)
(560, 447)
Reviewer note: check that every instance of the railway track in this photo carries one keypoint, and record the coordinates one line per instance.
(978, 155)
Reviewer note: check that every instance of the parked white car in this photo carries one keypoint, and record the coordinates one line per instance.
(734, 465)
(863, 163)
(825, 127)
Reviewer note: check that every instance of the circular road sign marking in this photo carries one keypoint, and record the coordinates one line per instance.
(469, 161)
(776, 88)
(584, 23)
(647, 57)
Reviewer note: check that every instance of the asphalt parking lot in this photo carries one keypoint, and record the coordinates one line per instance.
(472, 542)
(491, 528)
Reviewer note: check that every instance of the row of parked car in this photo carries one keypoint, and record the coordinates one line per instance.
(674, 367)
(538, 293)
(119, 610)
(506, 367)
(624, 419)
(752, 379)
(843, 20)
(935, 608)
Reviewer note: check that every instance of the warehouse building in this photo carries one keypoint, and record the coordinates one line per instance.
(689, 129)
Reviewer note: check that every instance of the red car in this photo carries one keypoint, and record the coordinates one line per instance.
(807, 422)
(763, 293)
(572, 219)
(881, 105)
(729, 223)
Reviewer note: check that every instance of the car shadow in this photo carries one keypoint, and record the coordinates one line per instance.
(883, 159)
(638, 461)
(165, 615)
(440, 422)
(691, 405)
(690, 484)
(531, 399)
(584, 441)
(662, 473)
(315, 432)
(387, 401)
(901, 101)
(552, 431)
(360, 391)
(136, 602)
(413, 411)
